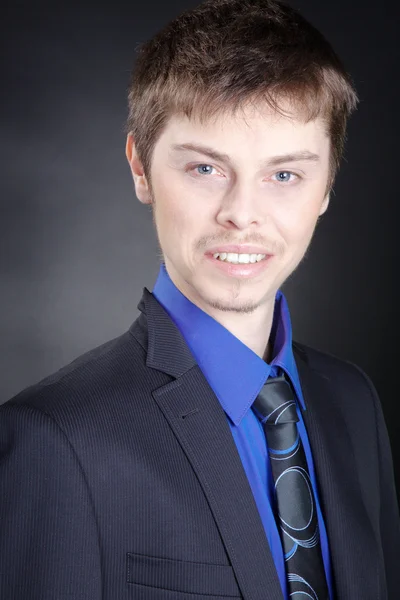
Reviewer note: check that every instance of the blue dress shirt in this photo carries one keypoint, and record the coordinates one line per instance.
(236, 374)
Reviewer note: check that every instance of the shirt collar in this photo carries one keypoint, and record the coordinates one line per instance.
(235, 373)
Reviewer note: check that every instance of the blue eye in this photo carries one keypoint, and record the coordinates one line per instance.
(286, 176)
(203, 169)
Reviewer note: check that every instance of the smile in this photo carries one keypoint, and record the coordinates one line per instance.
(243, 268)
(234, 258)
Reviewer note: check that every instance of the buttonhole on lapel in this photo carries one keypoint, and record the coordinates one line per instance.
(191, 412)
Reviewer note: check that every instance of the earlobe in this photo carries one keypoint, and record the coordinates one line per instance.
(139, 178)
(325, 204)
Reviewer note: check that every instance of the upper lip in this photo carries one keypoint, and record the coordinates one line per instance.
(239, 249)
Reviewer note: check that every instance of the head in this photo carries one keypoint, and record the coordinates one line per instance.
(236, 129)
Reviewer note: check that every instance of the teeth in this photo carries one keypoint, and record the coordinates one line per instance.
(239, 258)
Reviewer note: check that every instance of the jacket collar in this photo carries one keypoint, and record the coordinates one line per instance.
(151, 328)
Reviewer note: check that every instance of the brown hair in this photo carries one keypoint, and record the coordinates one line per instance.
(219, 56)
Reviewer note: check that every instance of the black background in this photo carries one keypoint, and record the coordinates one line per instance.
(77, 248)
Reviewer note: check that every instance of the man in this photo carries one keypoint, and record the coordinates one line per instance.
(203, 454)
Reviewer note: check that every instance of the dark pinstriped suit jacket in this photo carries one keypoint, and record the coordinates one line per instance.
(120, 479)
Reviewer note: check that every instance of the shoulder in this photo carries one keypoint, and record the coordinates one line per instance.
(343, 375)
(326, 362)
(87, 379)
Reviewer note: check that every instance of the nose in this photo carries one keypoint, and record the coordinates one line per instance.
(240, 208)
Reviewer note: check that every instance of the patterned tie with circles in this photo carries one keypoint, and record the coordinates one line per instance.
(295, 510)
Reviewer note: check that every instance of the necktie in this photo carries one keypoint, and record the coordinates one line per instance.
(295, 509)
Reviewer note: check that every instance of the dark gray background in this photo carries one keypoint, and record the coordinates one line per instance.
(77, 247)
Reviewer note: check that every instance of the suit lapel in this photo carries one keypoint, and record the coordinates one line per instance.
(199, 423)
(348, 527)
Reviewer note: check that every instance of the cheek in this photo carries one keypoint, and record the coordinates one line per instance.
(297, 224)
(176, 217)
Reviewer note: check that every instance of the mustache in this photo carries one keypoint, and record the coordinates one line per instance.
(271, 247)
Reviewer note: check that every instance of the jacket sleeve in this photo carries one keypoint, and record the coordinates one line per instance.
(389, 508)
(49, 545)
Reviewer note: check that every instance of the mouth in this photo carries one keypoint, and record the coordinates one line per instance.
(234, 268)
(240, 257)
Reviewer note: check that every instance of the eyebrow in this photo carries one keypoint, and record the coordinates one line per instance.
(273, 161)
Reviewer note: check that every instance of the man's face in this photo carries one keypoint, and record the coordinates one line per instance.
(244, 194)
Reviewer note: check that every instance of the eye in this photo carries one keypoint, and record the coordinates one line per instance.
(284, 176)
(203, 169)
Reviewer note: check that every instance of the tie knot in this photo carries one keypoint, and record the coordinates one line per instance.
(276, 402)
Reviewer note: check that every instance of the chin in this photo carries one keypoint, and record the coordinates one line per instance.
(238, 306)
(242, 301)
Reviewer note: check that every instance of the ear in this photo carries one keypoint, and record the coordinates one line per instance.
(139, 178)
(325, 204)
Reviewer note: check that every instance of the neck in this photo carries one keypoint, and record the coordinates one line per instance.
(252, 328)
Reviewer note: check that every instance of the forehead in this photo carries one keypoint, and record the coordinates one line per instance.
(255, 129)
